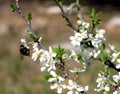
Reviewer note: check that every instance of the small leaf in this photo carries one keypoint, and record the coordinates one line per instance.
(102, 72)
(47, 76)
(98, 21)
(79, 57)
(93, 12)
(118, 49)
(103, 55)
(103, 46)
(63, 15)
(43, 42)
(13, 7)
(60, 2)
(32, 36)
(60, 51)
(29, 16)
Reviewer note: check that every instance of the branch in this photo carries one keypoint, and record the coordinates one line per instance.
(28, 23)
(66, 18)
(79, 10)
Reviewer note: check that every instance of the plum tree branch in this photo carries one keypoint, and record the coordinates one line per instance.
(65, 17)
(28, 23)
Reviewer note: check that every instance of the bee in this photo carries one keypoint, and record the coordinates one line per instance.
(24, 51)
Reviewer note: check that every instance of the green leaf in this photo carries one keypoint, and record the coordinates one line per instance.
(47, 76)
(98, 21)
(43, 42)
(60, 51)
(32, 36)
(103, 56)
(103, 46)
(29, 17)
(60, 2)
(118, 49)
(63, 15)
(79, 57)
(13, 7)
(93, 13)
(102, 72)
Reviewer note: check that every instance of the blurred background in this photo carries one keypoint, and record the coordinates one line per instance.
(23, 76)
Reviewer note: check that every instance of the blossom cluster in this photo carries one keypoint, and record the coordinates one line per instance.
(107, 84)
(48, 60)
(90, 42)
(89, 45)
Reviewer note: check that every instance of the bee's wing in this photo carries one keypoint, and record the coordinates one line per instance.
(21, 56)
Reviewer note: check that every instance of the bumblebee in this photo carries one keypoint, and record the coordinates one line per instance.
(24, 51)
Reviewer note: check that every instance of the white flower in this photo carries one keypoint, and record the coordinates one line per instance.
(107, 88)
(83, 34)
(47, 60)
(96, 42)
(84, 25)
(102, 85)
(23, 41)
(35, 45)
(47, 57)
(79, 22)
(40, 39)
(76, 39)
(74, 88)
(116, 92)
(100, 33)
(118, 65)
(116, 78)
(118, 60)
(36, 53)
(115, 56)
(112, 47)
(95, 53)
(52, 66)
(74, 55)
(87, 25)
(56, 81)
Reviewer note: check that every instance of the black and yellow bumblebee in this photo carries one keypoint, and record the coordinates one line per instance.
(24, 51)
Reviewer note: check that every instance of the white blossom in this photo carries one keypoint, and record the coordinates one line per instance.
(116, 78)
(118, 65)
(56, 81)
(100, 33)
(101, 83)
(116, 92)
(112, 47)
(24, 42)
(76, 39)
(96, 42)
(36, 53)
(107, 88)
(47, 60)
(74, 55)
(84, 25)
(115, 56)
(74, 88)
(47, 56)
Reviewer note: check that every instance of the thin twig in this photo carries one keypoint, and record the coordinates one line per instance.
(79, 10)
(66, 18)
(28, 22)
(24, 18)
